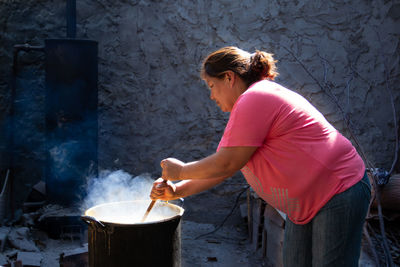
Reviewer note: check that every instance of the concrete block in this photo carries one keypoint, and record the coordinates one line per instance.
(30, 259)
(13, 264)
(78, 257)
(3, 237)
(3, 259)
(19, 239)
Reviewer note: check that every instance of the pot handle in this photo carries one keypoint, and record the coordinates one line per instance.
(179, 202)
(92, 220)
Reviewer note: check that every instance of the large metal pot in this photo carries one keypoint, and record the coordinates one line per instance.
(116, 236)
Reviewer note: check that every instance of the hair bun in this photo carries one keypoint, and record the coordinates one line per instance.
(262, 66)
(256, 64)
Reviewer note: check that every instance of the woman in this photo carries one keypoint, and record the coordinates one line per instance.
(289, 154)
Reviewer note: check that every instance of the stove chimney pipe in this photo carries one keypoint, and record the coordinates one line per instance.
(71, 19)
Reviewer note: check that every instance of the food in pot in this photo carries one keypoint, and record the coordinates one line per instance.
(131, 212)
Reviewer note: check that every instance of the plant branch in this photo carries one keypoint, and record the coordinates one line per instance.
(335, 100)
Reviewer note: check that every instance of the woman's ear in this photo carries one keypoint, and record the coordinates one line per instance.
(230, 77)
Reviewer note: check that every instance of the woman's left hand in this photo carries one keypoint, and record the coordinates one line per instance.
(164, 190)
(171, 169)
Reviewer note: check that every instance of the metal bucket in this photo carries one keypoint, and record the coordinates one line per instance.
(116, 240)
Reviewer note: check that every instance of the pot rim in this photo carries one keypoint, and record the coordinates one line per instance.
(160, 202)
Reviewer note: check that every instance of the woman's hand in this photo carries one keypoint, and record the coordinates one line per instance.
(171, 169)
(163, 189)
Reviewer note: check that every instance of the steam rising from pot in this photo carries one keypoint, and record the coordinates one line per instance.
(117, 197)
(117, 186)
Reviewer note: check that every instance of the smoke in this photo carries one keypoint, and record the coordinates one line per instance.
(117, 186)
(65, 159)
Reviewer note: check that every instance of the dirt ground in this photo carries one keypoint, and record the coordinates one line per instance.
(227, 247)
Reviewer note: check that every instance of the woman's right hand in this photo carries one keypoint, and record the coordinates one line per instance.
(163, 190)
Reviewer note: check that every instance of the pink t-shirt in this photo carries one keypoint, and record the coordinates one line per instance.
(302, 160)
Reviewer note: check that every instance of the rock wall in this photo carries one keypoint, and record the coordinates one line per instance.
(341, 55)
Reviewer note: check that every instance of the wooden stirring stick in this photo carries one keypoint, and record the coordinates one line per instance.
(148, 210)
(150, 207)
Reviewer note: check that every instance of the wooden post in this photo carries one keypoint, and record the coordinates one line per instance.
(258, 221)
(249, 215)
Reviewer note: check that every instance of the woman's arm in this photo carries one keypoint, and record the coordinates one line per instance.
(192, 187)
(223, 163)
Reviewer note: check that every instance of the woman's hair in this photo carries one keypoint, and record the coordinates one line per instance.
(250, 67)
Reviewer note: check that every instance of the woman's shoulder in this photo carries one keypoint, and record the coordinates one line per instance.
(269, 90)
(261, 96)
(262, 91)
(265, 87)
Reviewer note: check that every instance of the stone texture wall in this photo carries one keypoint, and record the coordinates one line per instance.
(152, 103)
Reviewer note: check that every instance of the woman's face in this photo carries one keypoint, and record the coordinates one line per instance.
(221, 92)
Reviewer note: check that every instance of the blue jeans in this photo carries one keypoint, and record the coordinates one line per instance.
(333, 237)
